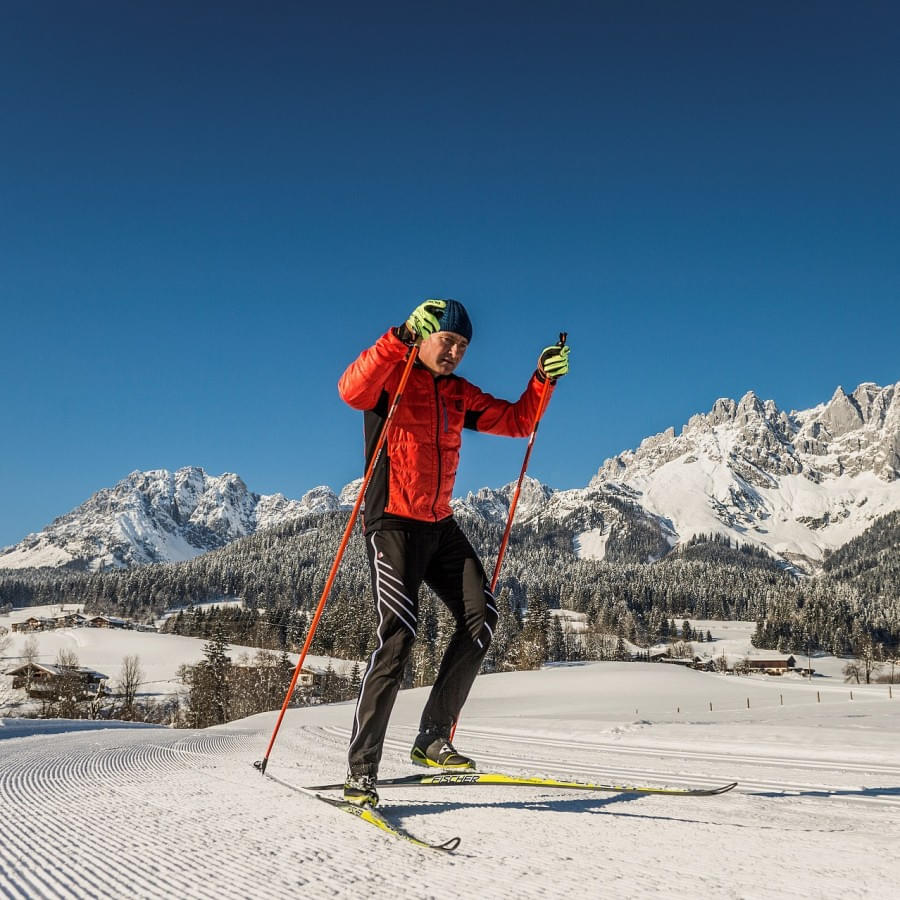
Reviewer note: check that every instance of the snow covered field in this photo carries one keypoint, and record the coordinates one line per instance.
(103, 649)
(131, 811)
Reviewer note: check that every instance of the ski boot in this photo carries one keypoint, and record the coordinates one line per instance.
(360, 790)
(439, 753)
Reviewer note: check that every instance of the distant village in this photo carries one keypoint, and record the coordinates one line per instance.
(669, 655)
(43, 679)
(77, 620)
(745, 666)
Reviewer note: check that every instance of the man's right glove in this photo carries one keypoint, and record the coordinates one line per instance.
(554, 362)
(425, 319)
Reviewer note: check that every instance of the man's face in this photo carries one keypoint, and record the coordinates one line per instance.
(442, 352)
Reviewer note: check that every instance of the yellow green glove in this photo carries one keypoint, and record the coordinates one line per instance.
(425, 319)
(554, 362)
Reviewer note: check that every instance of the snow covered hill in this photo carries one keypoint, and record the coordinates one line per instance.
(104, 650)
(159, 516)
(130, 811)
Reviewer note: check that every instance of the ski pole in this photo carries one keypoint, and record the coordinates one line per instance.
(542, 406)
(413, 355)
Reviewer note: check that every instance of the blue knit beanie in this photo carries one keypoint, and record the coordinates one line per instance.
(456, 319)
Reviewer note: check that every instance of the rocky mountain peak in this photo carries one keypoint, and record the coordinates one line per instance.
(749, 409)
(723, 410)
(842, 414)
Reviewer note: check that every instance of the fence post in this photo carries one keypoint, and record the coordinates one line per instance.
(748, 703)
(781, 698)
(851, 695)
(710, 705)
(818, 697)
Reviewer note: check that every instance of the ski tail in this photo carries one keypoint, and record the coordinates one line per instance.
(372, 816)
(377, 818)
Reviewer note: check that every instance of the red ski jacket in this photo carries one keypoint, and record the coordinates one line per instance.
(414, 476)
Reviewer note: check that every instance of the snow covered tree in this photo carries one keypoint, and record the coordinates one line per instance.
(208, 700)
(852, 671)
(506, 634)
(533, 640)
(130, 677)
(556, 649)
(30, 653)
(68, 688)
(355, 680)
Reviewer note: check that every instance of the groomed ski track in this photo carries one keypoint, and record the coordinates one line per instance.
(151, 812)
(689, 772)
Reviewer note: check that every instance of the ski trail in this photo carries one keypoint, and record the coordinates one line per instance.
(87, 791)
(549, 765)
(156, 814)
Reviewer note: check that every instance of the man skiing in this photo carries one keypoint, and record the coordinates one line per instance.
(410, 533)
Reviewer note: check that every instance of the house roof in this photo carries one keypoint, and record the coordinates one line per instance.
(52, 669)
(770, 663)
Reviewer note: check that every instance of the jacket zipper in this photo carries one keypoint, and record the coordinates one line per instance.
(437, 444)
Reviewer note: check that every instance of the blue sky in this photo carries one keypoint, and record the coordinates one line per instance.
(207, 211)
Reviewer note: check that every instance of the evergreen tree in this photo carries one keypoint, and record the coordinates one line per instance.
(556, 649)
(506, 634)
(355, 680)
(533, 640)
(209, 695)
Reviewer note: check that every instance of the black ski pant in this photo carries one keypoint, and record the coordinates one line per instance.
(442, 557)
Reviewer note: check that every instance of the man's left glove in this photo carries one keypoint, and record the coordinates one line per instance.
(553, 362)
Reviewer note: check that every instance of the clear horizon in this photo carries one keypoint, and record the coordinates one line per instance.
(207, 213)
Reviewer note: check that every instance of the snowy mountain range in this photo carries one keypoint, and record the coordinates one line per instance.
(159, 516)
(796, 484)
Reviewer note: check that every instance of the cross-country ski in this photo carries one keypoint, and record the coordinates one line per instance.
(473, 779)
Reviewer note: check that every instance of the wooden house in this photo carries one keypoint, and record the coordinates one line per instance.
(44, 677)
(34, 623)
(107, 622)
(771, 666)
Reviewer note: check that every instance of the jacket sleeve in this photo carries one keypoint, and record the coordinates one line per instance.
(493, 416)
(364, 379)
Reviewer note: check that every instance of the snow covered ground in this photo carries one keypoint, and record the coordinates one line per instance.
(129, 811)
(103, 649)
